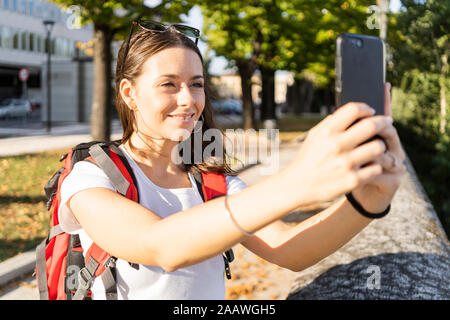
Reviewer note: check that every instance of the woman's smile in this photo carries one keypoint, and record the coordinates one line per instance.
(183, 118)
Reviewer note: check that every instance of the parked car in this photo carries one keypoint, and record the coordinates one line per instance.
(11, 107)
(227, 106)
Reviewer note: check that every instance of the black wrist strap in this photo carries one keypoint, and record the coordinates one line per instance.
(358, 207)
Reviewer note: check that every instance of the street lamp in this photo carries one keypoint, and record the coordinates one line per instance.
(48, 24)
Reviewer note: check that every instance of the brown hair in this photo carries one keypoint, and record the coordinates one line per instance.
(144, 44)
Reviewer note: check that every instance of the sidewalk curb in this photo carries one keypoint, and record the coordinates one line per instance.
(17, 266)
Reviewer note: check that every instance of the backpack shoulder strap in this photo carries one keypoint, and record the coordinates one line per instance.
(210, 186)
(98, 262)
(116, 167)
(108, 166)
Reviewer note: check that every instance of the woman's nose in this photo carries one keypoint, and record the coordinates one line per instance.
(184, 96)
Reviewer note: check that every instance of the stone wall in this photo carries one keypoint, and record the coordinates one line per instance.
(405, 255)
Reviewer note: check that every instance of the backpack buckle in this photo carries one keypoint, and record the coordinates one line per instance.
(110, 262)
(85, 279)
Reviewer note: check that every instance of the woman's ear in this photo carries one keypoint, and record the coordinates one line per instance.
(127, 91)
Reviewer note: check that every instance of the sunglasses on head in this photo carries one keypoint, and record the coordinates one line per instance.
(154, 26)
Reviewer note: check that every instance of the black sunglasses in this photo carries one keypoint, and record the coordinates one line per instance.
(155, 26)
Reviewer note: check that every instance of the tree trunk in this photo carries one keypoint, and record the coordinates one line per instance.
(442, 78)
(246, 72)
(268, 94)
(102, 96)
(306, 95)
(384, 10)
(295, 97)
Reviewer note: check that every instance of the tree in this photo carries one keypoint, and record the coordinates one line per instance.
(296, 35)
(309, 50)
(425, 30)
(231, 31)
(251, 34)
(112, 20)
(419, 38)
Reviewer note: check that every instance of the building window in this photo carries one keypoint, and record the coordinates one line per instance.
(23, 6)
(52, 11)
(59, 15)
(23, 40)
(52, 46)
(38, 8)
(46, 10)
(15, 39)
(71, 45)
(31, 41)
(6, 4)
(39, 46)
(30, 7)
(67, 48)
(45, 46)
(15, 5)
(6, 38)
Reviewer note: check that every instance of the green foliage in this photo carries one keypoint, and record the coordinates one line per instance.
(117, 15)
(420, 46)
(296, 35)
(416, 102)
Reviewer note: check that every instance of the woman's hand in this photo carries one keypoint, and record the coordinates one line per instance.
(330, 160)
(376, 194)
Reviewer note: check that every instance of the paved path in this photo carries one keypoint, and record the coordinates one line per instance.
(60, 137)
(21, 139)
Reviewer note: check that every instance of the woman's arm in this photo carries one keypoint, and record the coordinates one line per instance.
(307, 243)
(327, 166)
(134, 233)
(303, 245)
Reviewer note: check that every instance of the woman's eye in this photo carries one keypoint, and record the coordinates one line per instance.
(168, 84)
(198, 85)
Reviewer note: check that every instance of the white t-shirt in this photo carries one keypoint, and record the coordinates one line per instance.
(203, 281)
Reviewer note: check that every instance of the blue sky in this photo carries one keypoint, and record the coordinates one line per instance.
(195, 19)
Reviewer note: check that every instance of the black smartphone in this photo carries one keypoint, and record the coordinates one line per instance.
(360, 71)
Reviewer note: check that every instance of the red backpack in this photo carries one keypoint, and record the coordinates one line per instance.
(63, 273)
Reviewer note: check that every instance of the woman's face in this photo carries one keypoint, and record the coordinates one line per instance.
(169, 94)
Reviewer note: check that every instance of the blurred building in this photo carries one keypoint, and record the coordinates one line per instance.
(23, 44)
(228, 86)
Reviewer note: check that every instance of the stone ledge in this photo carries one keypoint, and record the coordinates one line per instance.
(409, 247)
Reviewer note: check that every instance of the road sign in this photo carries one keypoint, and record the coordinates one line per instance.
(23, 75)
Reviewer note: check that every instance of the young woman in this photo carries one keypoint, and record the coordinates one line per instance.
(177, 239)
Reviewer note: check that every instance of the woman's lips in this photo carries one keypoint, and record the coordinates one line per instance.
(183, 118)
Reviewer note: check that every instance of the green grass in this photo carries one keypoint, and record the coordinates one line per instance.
(24, 219)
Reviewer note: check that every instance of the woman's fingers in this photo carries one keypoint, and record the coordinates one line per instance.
(363, 130)
(346, 115)
(391, 163)
(368, 173)
(392, 140)
(375, 151)
(365, 153)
